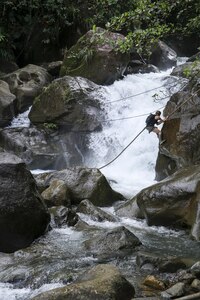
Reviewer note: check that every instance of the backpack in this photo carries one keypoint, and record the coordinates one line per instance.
(149, 119)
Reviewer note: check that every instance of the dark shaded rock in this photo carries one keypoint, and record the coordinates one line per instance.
(103, 282)
(95, 213)
(83, 183)
(53, 68)
(23, 215)
(113, 242)
(7, 104)
(96, 50)
(172, 265)
(163, 56)
(26, 84)
(74, 109)
(136, 66)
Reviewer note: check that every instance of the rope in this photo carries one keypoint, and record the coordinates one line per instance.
(141, 93)
(123, 149)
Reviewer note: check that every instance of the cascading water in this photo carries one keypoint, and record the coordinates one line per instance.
(42, 266)
(133, 170)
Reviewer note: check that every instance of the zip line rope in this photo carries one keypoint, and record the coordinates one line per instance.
(145, 128)
(141, 93)
(110, 162)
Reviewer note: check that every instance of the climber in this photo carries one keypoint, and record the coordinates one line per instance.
(151, 121)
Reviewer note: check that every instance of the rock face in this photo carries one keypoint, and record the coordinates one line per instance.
(95, 57)
(26, 84)
(23, 215)
(163, 56)
(174, 201)
(83, 183)
(68, 102)
(182, 129)
(7, 104)
(103, 282)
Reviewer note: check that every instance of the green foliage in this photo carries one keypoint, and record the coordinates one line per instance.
(50, 126)
(142, 21)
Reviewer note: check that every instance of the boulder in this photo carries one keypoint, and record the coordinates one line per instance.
(188, 69)
(26, 84)
(83, 183)
(113, 242)
(102, 282)
(163, 56)
(95, 57)
(61, 215)
(45, 148)
(174, 291)
(68, 102)
(136, 66)
(95, 213)
(7, 104)
(174, 201)
(23, 215)
(56, 194)
(53, 68)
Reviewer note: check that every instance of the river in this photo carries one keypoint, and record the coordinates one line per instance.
(58, 257)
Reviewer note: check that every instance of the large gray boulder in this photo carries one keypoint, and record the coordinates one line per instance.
(68, 102)
(113, 242)
(95, 213)
(163, 56)
(23, 215)
(7, 104)
(95, 57)
(174, 201)
(83, 183)
(26, 84)
(102, 282)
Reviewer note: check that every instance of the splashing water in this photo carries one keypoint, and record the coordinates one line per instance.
(134, 169)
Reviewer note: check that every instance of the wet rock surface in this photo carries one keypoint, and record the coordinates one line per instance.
(23, 215)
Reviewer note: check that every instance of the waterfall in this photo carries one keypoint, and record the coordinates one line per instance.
(134, 169)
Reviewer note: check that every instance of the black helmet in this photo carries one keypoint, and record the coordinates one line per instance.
(158, 113)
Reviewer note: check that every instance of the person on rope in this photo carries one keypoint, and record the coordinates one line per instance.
(151, 121)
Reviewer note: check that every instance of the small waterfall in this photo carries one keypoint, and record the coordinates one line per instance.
(134, 169)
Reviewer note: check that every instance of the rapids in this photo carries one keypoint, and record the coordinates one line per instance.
(58, 257)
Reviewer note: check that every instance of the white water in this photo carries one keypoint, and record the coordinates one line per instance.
(132, 171)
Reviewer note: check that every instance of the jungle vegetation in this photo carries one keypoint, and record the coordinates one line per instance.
(141, 21)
